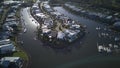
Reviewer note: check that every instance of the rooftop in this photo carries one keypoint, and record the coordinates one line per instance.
(6, 41)
(10, 59)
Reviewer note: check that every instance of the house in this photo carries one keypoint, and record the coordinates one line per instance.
(75, 26)
(35, 7)
(10, 19)
(101, 15)
(41, 15)
(116, 25)
(11, 62)
(11, 15)
(7, 48)
(10, 25)
(52, 35)
(47, 8)
(109, 17)
(70, 35)
(15, 6)
(6, 27)
(67, 21)
(11, 2)
(60, 35)
(5, 34)
(37, 11)
(48, 22)
(116, 14)
(44, 26)
(5, 41)
(46, 31)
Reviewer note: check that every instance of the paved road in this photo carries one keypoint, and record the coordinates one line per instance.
(42, 56)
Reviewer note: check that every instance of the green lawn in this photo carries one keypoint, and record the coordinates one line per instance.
(21, 54)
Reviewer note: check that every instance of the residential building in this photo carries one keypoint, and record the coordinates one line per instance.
(6, 46)
(11, 62)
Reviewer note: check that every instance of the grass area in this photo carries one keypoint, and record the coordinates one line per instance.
(21, 54)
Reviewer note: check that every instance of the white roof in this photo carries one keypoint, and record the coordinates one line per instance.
(46, 30)
(37, 10)
(46, 6)
(117, 23)
(7, 48)
(116, 14)
(48, 21)
(76, 26)
(10, 19)
(109, 17)
(44, 26)
(35, 6)
(70, 32)
(41, 15)
(10, 59)
(12, 23)
(10, 1)
(60, 35)
(11, 15)
(6, 41)
(5, 45)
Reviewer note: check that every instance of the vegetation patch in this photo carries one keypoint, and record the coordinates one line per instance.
(21, 54)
